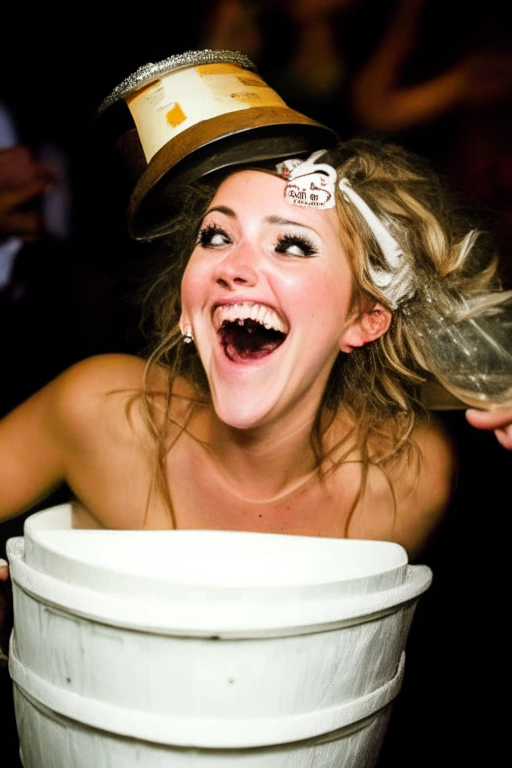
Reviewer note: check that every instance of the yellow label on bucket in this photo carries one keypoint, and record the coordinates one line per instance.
(229, 82)
(221, 68)
(252, 81)
(175, 115)
(185, 97)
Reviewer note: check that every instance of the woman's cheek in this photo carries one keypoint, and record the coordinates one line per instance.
(192, 286)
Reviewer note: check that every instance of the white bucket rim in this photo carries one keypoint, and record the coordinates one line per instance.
(339, 563)
(248, 616)
(205, 733)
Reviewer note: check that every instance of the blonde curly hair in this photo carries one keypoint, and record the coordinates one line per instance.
(377, 385)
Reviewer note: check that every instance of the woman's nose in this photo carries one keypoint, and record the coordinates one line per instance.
(237, 268)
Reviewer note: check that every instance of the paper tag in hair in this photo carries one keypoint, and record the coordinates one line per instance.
(314, 190)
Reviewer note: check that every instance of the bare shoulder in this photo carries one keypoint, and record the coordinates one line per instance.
(405, 500)
(42, 438)
(424, 495)
(102, 373)
(93, 386)
(102, 391)
(438, 460)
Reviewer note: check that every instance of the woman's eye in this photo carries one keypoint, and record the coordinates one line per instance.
(212, 237)
(294, 245)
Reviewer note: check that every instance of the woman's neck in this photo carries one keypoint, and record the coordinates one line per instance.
(262, 463)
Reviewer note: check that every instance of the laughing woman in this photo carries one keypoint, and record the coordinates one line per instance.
(282, 392)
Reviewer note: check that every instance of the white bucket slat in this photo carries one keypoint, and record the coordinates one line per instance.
(203, 732)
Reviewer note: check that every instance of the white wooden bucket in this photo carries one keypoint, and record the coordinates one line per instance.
(205, 648)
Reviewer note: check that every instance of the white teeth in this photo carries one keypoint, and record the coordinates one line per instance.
(241, 311)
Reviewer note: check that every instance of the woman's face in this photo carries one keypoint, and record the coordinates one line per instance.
(266, 294)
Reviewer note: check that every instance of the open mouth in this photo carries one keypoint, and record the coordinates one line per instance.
(249, 331)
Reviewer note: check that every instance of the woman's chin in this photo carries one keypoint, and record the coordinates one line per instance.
(243, 409)
(240, 418)
(244, 393)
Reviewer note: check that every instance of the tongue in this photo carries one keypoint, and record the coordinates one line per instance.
(250, 341)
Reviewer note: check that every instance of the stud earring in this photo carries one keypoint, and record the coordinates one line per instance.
(188, 337)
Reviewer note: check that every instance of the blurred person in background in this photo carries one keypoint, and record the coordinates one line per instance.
(34, 226)
(385, 100)
(449, 100)
(299, 46)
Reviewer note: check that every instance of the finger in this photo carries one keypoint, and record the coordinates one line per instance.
(14, 198)
(13, 157)
(4, 570)
(495, 419)
(17, 167)
(504, 437)
(27, 225)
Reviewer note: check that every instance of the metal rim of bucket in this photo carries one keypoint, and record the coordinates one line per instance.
(206, 733)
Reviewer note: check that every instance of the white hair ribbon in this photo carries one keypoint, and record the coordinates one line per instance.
(312, 184)
(395, 283)
(465, 247)
(311, 166)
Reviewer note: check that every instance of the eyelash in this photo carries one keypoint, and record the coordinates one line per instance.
(299, 241)
(206, 235)
(283, 244)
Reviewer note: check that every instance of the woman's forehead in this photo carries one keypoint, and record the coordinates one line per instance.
(260, 192)
(257, 181)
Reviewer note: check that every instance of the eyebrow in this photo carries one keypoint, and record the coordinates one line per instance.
(268, 219)
(222, 209)
(284, 222)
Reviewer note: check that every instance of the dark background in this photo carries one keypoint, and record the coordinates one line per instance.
(57, 62)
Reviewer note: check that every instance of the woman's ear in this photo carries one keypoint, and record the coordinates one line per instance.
(368, 326)
(184, 324)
